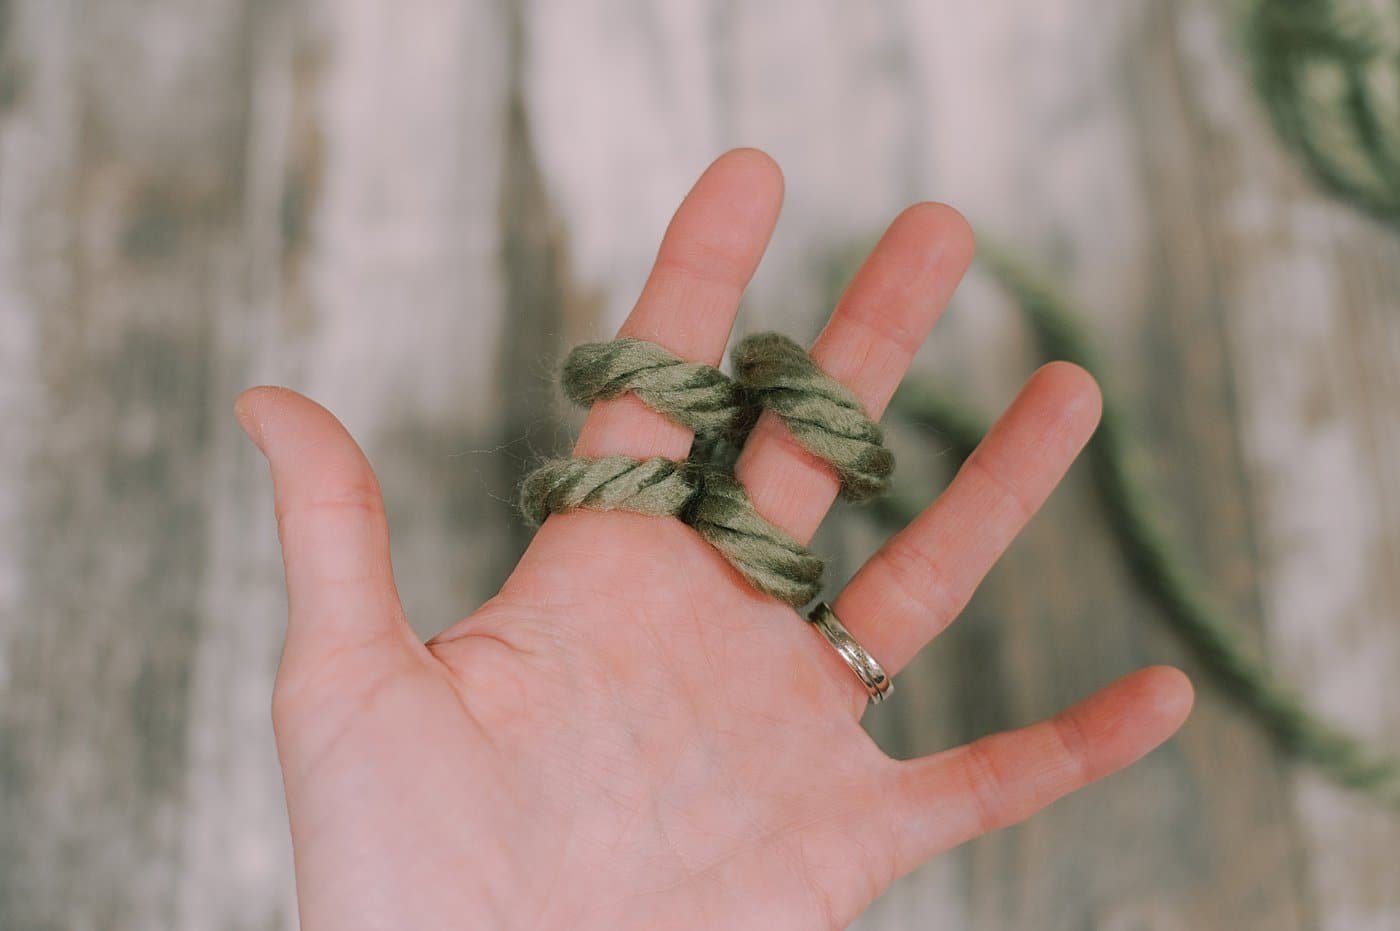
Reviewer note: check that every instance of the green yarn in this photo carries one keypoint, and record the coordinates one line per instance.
(772, 373)
(693, 394)
(653, 486)
(1328, 72)
(710, 501)
(821, 413)
(773, 562)
(1158, 565)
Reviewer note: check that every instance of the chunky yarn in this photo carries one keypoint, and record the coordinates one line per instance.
(613, 483)
(772, 373)
(773, 562)
(822, 414)
(696, 395)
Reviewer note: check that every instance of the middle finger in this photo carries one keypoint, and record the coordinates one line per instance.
(923, 576)
(867, 345)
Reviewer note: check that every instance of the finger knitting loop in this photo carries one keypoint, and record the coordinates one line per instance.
(773, 562)
(653, 486)
(692, 394)
(821, 413)
(774, 374)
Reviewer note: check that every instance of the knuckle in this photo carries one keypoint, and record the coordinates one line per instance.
(1006, 490)
(920, 580)
(361, 499)
(986, 787)
(887, 324)
(284, 700)
(703, 262)
(295, 690)
(312, 677)
(1072, 748)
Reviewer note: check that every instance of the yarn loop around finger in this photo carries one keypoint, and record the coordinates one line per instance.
(821, 413)
(692, 394)
(772, 373)
(768, 558)
(653, 486)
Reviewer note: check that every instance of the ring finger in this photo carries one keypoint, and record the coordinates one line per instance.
(923, 576)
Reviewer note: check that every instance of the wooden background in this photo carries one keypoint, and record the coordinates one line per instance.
(409, 209)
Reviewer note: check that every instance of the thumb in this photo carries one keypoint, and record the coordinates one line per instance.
(330, 519)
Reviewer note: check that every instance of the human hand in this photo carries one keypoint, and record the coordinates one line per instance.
(628, 735)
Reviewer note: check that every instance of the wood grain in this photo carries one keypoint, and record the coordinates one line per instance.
(127, 197)
(409, 211)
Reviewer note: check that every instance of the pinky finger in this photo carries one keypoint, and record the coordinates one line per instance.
(939, 801)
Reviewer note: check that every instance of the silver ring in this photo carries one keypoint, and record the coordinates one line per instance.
(871, 674)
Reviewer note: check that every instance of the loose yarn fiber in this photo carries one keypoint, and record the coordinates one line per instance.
(771, 373)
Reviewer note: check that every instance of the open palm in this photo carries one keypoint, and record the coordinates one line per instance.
(628, 735)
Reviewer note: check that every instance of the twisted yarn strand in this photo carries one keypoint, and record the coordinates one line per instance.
(692, 394)
(653, 486)
(768, 558)
(773, 373)
(821, 413)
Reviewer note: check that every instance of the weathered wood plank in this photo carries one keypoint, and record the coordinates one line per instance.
(123, 144)
(1310, 291)
(373, 244)
(235, 853)
(1120, 220)
(1153, 144)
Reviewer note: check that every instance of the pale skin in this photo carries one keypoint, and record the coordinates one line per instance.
(627, 735)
